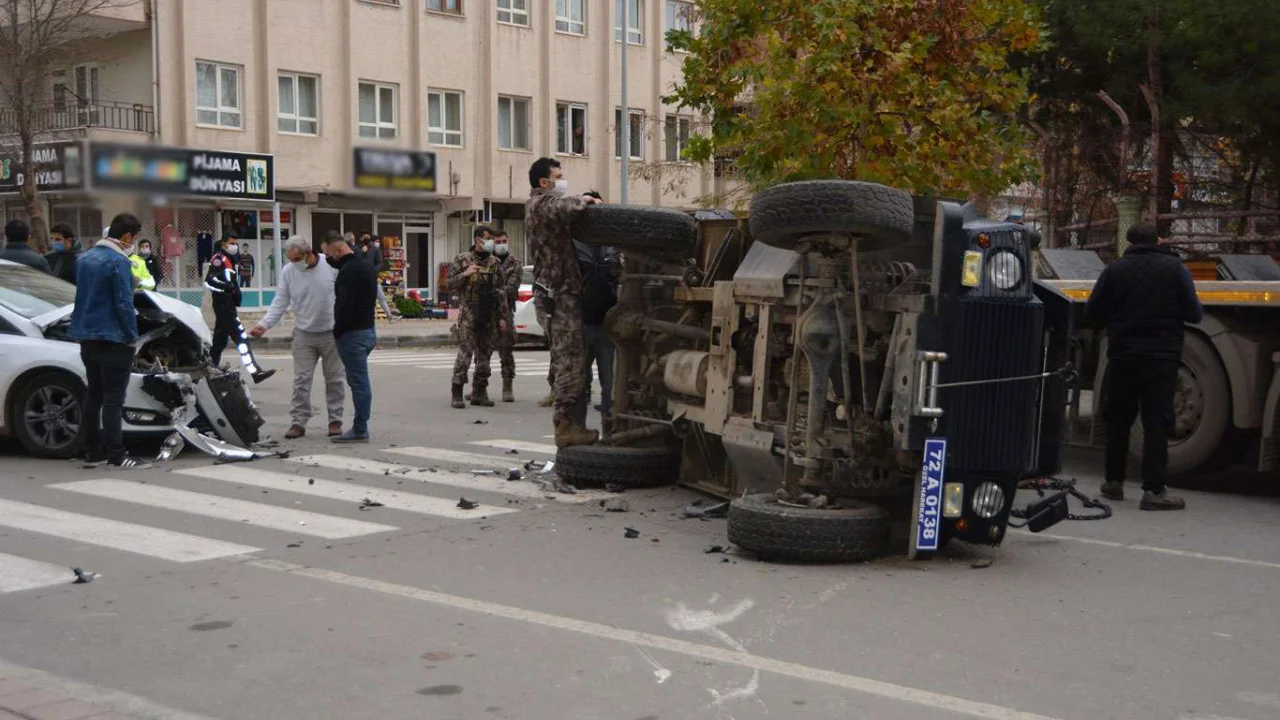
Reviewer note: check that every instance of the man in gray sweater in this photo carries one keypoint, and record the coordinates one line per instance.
(306, 288)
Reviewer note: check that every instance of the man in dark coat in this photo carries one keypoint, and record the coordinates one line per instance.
(16, 249)
(1144, 300)
(62, 258)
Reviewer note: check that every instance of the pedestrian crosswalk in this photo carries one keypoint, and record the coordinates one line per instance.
(410, 485)
(528, 364)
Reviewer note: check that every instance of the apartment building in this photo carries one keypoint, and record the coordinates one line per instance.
(480, 88)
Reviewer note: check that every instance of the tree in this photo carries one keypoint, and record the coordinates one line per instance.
(917, 94)
(1212, 71)
(33, 35)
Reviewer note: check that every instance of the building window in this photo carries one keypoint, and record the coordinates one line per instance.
(513, 12)
(513, 123)
(453, 7)
(298, 104)
(571, 129)
(679, 17)
(394, 3)
(676, 132)
(379, 116)
(636, 133)
(444, 118)
(571, 16)
(218, 95)
(635, 21)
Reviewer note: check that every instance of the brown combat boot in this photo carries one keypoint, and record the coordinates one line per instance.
(547, 401)
(508, 395)
(480, 396)
(458, 402)
(569, 434)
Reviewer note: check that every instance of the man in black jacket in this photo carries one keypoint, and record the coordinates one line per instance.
(1144, 299)
(62, 258)
(355, 296)
(16, 249)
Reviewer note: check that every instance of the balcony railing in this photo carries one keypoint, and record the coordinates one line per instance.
(76, 115)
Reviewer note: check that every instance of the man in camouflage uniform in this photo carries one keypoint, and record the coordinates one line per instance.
(477, 286)
(514, 271)
(548, 215)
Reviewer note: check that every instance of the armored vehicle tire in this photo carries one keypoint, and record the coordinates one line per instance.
(779, 532)
(637, 228)
(1202, 413)
(786, 215)
(628, 467)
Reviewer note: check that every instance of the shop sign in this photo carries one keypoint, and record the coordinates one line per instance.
(59, 166)
(266, 218)
(182, 171)
(394, 170)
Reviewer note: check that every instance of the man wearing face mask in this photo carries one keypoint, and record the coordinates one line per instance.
(354, 295)
(548, 216)
(224, 284)
(62, 259)
(154, 266)
(105, 324)
(477, 285)
(513, 271)
(307, 288)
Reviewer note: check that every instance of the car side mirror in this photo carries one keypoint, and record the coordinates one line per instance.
(1033, 238)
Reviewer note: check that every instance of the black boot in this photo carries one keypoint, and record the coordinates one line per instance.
(262, 375)
(458, 402)
(480, 396)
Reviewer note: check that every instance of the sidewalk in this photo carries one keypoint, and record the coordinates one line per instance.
(28, 694)
(400, 334)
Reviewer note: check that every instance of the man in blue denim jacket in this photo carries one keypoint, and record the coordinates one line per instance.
(105, 324)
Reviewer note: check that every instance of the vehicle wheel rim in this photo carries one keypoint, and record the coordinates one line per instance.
(53, 416)
(1188, 405)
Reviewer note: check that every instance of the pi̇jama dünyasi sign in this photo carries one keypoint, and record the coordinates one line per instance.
(174, 171)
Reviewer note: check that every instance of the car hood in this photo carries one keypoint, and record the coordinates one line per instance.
(186, 314)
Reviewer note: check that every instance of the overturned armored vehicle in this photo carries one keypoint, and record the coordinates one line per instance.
(848, 365)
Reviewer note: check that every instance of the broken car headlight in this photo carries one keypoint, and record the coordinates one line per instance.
(1004, 270)
(988, 500)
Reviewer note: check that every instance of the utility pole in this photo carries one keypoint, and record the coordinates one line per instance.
(624, 123)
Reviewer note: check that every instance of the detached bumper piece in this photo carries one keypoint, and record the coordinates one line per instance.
(218, 403)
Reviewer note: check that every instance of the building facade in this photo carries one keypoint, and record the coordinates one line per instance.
(486, 85)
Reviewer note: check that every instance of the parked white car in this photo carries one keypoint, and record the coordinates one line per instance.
(42, 379)
(528, 330)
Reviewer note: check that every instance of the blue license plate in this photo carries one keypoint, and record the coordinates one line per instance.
(929, 504)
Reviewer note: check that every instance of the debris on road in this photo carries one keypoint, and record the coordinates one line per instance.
(466, 504)
(479, 422)
(615, 504)
(715, 549)
(982, 563)
(367, 503)
(706, 512)
(513, 452)
(311, 481)
(294, 545)
(631, 533)
(514, 474)
(484, 472)
(82, 577)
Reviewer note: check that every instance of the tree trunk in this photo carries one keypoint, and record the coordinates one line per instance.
(30, 193)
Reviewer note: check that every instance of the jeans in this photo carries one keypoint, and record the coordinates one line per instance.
(1149, 386)
(600, 352)
(354, 347)
(310, 348)
(107, 367)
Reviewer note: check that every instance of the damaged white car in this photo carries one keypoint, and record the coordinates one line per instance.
(174, 383)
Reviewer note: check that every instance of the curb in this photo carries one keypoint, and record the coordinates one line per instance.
(385, 342)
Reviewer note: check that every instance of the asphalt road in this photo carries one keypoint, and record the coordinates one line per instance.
(243, 592)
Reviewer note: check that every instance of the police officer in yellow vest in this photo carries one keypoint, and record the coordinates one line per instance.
(142, 278)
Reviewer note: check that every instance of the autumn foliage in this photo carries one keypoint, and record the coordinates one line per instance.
(917, 94)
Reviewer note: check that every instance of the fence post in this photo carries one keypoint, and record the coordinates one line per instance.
(1128, 214)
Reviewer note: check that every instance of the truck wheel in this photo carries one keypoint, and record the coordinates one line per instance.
(785, 215)
(773, 531)
(637, 228)
(628, 467)
(1201, 411)
(48, 416)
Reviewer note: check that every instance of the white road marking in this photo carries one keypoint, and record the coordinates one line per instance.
(392, 499)
(529, 447)
(726, 656)
(139, 539)
(459, 458)
(467, 481)
(1198, 716)
(1161, 550)
(250, 513)
(19, 573)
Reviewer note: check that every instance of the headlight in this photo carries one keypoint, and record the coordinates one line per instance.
(988, 500)
(1004, 270)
